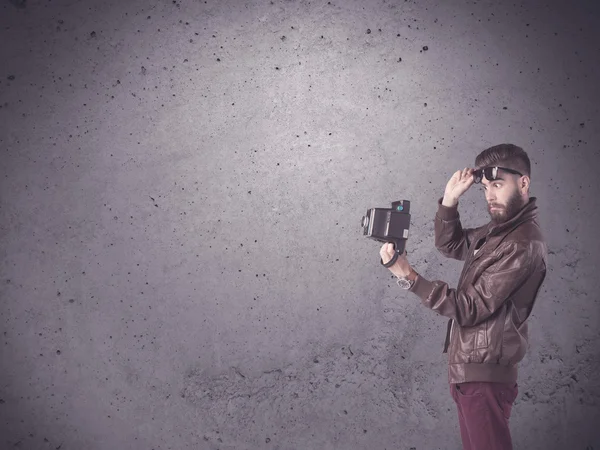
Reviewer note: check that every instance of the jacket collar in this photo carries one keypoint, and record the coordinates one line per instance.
(527, 213)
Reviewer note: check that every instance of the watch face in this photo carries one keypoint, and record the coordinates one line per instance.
(404, 284)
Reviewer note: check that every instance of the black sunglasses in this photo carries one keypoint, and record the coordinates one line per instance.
(491, 173)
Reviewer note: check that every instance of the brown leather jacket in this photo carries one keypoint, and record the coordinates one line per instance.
(498, 286)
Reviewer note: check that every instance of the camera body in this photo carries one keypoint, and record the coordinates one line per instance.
(389, 224)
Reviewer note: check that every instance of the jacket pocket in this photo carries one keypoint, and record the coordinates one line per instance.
(469, 344)
(481, 336)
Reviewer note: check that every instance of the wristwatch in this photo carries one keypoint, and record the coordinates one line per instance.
(407, 282)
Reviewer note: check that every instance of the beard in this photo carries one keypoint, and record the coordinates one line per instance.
(506, 212)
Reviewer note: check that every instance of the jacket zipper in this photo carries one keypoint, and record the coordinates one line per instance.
(468, 262)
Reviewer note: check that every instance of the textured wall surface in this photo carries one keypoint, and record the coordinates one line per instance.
(182, 186)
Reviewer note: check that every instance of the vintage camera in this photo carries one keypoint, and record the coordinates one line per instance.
(389, 225)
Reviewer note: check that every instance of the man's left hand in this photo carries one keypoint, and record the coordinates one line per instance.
(401, 267)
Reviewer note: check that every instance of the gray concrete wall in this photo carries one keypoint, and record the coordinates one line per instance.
(182, 185)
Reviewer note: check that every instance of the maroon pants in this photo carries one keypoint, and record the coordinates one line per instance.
(483, 413)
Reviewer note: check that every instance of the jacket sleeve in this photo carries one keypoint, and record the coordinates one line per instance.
(495, 279)
(451, 239)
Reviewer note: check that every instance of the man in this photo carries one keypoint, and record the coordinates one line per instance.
(505, 265)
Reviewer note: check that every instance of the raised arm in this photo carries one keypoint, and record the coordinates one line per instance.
(451, 239)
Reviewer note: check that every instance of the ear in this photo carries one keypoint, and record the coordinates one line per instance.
(524, 183)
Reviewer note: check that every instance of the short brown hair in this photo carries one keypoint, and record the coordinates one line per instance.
(505, 155)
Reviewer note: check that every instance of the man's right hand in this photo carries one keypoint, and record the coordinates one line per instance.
(460, 182)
